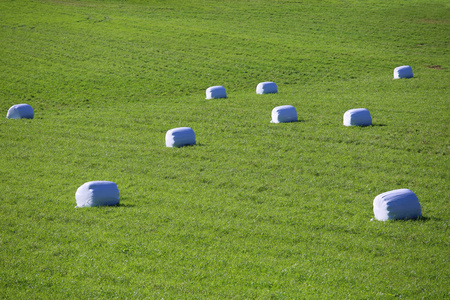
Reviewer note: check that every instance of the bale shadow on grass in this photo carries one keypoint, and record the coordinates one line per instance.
(298, 121)
(365, 126)
(426, 219)
(125, 205)
(421, 219)
(189, 146)
(116, 205)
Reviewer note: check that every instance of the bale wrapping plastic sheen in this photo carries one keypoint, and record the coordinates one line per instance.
(397, 204)
(181, 136)
(284, 114)
(97, 193)
(267, 87)
(403, 72)
(20, 111)
(215, 92)
(357, 117)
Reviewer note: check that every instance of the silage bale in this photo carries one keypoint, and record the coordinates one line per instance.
(20, 111)
(267, 87)
(284, 114)
(97, 193)
(403, 72)
(181, 136)
(357, 117)
(215, 92)
(397, 204)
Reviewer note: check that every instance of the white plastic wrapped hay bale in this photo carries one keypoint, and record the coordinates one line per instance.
(215, 92)
(267, 87)
(357, 117)
(397, 204)
(284, 114)
(20, 111)
(403, 72)
(181, 136)
(97, 193)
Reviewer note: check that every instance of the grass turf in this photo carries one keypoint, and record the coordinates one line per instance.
(255, 210)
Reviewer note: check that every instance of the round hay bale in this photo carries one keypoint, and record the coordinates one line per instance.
(284, 114)
(267, 87)
(397, 204)
(97, 193)
(181, 136)
(20, 111)
(403, 72)
(215, 92)
(357, 117)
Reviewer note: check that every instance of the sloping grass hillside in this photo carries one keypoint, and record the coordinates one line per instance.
(253, 211)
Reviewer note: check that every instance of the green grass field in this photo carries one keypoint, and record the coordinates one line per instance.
(255, 210)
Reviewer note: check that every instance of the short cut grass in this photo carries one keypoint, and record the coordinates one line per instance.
(254, 210)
